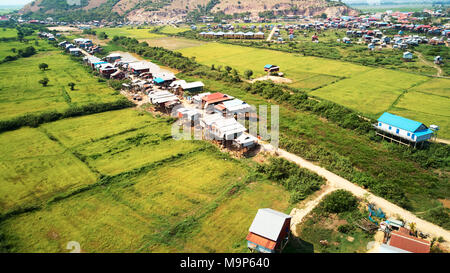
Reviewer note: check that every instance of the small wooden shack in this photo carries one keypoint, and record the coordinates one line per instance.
(269, 232)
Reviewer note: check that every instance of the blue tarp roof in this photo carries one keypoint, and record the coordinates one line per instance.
(268, 66)
(158, 80)
(399, 122)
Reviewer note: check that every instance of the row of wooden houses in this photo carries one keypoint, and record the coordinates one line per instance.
(233, 35)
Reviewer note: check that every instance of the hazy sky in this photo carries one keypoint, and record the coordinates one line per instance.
(14, 2)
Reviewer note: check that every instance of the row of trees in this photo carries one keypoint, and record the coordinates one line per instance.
(159, 54)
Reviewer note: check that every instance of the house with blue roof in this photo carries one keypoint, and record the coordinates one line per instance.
(271, 68)
(402, 130)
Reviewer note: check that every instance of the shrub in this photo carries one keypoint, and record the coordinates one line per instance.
(339, 201)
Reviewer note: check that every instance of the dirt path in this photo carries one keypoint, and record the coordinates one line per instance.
(298, 214)
(338, 182)
(445, 141)
(271, 34)
(431, 64)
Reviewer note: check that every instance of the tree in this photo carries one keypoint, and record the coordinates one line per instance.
(212, 67)
(43, 66)
(13, 50)
(44, 82)
(339, 201)
(248, 73)
(228, 69)
(72, 85)
(323, 16)
(102, 36)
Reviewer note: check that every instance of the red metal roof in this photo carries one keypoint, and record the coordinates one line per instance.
(409, 243)
(259, 240)
(213, 96)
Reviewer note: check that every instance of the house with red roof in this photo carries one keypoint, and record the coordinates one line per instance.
(402, 240)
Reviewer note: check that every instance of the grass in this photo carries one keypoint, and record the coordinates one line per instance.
(422, 186)
(320, 225)
(370, 91)
(226, 228)
(138, 33)
(8, 32)
(173, 30)
(243, 58)
(173, 43)
(362, 93)
(34, 168)
(124, 216)
(21, 93)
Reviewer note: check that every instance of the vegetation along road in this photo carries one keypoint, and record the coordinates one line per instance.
(338, 182)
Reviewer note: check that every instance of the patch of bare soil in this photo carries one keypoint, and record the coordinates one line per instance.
(275, 79)
(333, 222)
(445, 202)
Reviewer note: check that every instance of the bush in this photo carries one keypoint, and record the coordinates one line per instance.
(345, 228)
(298, 181)
(339, 201)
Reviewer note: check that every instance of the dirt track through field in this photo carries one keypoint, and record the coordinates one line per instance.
(337, 182)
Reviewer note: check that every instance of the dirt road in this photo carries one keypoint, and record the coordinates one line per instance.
(431, 64)
(338, 182)
(271, 34)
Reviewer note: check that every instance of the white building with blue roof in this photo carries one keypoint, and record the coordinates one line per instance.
(391, 125)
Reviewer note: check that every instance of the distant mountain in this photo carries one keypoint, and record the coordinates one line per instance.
(151, 10)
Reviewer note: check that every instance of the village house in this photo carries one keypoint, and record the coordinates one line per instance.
(75, 52)
(189, 89)
(216, 127)
(213, 99)
(271, 68)
(269, 231)
(111, 58)
(197, 99)
(407, 56)
(402, 130)
(401, 239)
(163, 100)
(232, 108)
(138, 67)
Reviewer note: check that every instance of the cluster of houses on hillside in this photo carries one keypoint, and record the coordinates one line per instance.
(48, 36)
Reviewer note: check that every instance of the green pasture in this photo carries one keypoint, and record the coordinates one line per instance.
(138, 33)
(370, 92)
(173, 43)
(21, 92)
(173, 30)
(242, 58)
(8, 32)
(34, 168)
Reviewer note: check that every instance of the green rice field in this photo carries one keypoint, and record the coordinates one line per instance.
(159, 195)
(21, 92)
(371, 91)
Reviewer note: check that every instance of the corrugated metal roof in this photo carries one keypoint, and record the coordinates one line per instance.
(409, 243)
(191, 85)
(384, 248)
(268, 223)
(425, 132)
(399, 122)
(254, 238)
